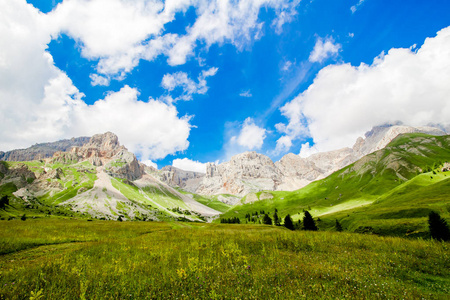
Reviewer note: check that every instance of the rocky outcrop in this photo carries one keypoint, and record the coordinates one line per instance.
(105, 150)
(244, 173)
(124, 165)
(186, 180)
(19, 175)
(41, 151)
(65, 158)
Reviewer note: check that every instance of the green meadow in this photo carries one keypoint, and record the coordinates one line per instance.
(77, 259)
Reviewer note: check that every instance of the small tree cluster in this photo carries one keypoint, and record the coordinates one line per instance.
(234, 220)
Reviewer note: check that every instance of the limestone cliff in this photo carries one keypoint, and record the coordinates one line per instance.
(43, 150)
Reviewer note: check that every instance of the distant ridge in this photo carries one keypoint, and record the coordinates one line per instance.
(43, 150)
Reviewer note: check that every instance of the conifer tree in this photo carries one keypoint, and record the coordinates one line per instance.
(438, 227)
(338, 226)
(308, 222)
(267, 220)
(288, 222)
(276, 219)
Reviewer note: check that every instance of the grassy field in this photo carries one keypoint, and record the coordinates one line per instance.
(76, 259)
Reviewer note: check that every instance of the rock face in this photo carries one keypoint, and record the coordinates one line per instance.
(41, 151)
(19, 175)
(244, 173)
(251, 172)
(105, 150)
(187, 180)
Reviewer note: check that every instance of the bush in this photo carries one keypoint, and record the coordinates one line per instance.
(23, 218)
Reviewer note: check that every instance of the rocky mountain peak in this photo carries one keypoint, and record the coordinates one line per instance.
(104, 142)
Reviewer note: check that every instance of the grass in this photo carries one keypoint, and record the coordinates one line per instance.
(74, 259)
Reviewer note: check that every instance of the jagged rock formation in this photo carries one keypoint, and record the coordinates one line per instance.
(42, 151)
(244, 173)
(19, 175)
(187, 180)
(251, 172)
(105, 150)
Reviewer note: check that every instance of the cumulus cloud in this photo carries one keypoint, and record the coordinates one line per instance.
(251, 136)
(120, 33)
(150, 163)
(189, 87)
(150, 129)
(189, 165)
(323, 49)
(344, 101)
(40, 103)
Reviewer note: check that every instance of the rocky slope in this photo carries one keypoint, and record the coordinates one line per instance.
(252, 172)
(101, 179)
(41, 151)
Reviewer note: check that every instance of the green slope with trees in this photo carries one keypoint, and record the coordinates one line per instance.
(388, 192)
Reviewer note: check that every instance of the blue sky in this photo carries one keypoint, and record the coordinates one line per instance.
(204, 80)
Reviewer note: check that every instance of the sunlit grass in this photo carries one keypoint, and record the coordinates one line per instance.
(151, 260)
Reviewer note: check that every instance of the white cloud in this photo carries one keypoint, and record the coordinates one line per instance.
(150, 129)
(120, 33)
(251, 136)
(323, 49)
(40, 103)
(99, 80)
(345, 101)
(150, 163)
(189, 87)
(189, 165)
(286, 66)
(355, 7)
(284, 143)
(246, 94)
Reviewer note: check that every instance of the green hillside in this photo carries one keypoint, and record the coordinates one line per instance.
(386, 192)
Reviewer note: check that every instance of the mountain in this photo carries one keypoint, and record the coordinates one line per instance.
(389, 192)
(99, 179)
(41, 151)
(251, 172)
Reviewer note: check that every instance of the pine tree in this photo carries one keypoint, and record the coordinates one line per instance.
(308, 222)
(267, 220)
(119, 219)
(288, 222)
(276, 219)
(23, 218)
(338, 226)
(438, 227)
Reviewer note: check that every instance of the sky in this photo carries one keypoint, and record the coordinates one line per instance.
(186, 82)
